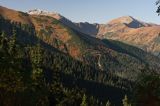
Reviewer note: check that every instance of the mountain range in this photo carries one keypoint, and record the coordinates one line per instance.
(97, 41)
(123, 48)
(125, 29)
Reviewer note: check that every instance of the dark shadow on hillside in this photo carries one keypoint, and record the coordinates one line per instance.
(131, 50)
(26, 34)
(98, 90)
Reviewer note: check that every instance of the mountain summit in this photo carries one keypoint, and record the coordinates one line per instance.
(129, 21)
(124, 19)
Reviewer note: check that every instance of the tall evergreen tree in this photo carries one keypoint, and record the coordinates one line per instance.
(108, 103)
(147, 89)
(84, 100)
(37, 61)
(125, 101)
(12, 43)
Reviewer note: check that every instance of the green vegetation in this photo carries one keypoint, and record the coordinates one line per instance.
(125, 101)
(147, 90)
(36, 73)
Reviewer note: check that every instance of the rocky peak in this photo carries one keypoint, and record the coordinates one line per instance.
(123, 20)
(129, 21)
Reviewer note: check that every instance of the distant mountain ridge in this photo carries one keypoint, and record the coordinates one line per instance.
(130, 22)
(126, 29)
(131, 31)
(84, 27)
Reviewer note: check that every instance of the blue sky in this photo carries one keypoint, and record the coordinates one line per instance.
(94, 11)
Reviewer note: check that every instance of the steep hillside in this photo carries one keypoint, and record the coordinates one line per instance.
(85, 48)
(126, 29)
(36, 68)
(42, 73)
(87, 28)
(16, 16)
(81, 46)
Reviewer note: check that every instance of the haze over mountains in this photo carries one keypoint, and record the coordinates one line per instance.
(126, 29)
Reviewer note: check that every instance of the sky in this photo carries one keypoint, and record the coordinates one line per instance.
(93, 11)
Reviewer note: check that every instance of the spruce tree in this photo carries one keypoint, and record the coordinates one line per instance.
(84, 100)
(12, 43)
(11, 77)
(37, 59)
(108, 103)
(39, 85)
(125, 101)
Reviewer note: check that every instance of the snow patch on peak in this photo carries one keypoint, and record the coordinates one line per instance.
(39, 12)
(46, 13)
